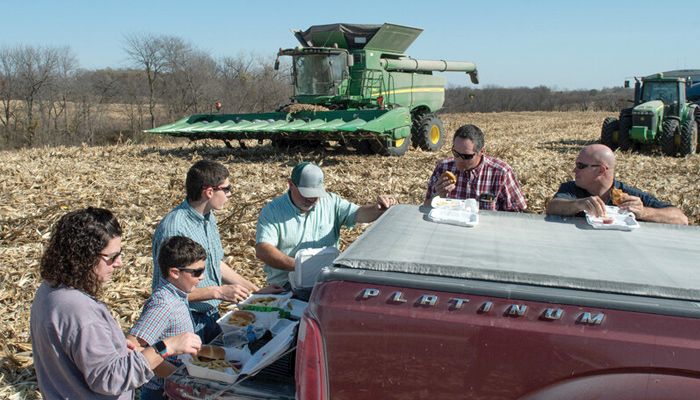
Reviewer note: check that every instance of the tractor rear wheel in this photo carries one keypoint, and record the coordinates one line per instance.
(689, 137)
(607, 134)
(667, 140)
(428, 132)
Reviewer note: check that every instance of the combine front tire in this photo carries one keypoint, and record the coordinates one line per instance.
(429, 133)
(610, 129)
(689, 137)
(667, 140)
(390, 147)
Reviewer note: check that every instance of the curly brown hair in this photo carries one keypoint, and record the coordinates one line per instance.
(73, 250)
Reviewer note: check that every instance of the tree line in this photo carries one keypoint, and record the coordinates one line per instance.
(47, 99)
(541, 98)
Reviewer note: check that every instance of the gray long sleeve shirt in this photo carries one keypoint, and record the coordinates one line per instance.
(79, 350)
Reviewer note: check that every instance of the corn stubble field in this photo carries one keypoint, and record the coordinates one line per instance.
(141, 183)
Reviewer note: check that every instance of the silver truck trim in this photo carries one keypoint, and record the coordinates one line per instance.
(514, 310)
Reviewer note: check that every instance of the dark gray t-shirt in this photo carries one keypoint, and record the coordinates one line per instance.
(79, 349)
(569, 191)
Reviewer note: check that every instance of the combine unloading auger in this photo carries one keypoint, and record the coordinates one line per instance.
(352, 83)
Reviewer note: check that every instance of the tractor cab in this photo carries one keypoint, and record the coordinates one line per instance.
(662, 114)
(670, 92)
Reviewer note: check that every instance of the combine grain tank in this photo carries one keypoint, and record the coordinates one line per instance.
(352, 84)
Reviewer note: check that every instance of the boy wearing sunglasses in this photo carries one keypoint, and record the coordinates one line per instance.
(166, 313)
(592, 188)
(487, 179)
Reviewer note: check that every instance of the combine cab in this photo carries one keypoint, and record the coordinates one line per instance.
(665, 113)
(352, 84)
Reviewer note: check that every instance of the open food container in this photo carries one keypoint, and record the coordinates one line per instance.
(233, 320)
(614, 219)
(470, 205)
(217, 370)
(454, 211)
(250, 364)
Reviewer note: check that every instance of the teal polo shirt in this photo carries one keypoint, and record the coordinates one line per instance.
(286, 227)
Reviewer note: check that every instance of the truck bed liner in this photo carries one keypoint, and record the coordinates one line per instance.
(534, 250)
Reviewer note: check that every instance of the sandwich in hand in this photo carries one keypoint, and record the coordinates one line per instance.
(616, 196)
(450, 177)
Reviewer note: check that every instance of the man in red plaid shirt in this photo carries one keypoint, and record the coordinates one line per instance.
(487, 179)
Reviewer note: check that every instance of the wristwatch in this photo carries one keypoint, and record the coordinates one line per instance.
(161, 348)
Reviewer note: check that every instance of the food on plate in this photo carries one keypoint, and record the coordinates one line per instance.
(616, 195)
(216, 365)
(450, 176)
(241, 318)
(262, 301)
(212, 352)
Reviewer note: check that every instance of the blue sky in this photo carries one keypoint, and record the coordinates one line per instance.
(561, 44)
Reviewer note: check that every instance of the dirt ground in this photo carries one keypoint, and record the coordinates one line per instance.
(141, 183)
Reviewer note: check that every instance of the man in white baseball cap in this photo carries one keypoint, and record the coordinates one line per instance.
(306, 217)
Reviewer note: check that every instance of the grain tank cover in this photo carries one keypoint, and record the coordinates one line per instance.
(387, 38)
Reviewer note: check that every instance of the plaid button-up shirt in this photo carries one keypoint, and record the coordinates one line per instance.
(165, 314)
(492, 183)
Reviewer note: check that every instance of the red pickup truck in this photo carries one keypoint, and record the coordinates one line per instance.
(520, 306)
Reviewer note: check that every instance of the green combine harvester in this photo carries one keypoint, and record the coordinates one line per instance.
(665, 114)
(352, 84)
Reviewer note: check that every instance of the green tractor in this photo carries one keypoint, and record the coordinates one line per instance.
(665, 113)
(352, 84)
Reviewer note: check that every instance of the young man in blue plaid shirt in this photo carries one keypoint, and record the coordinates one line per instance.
(167, 313)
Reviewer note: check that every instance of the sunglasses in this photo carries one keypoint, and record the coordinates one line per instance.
(110, 259)
(195, 272)
(580, 165)
(225, 189)
(463, 156)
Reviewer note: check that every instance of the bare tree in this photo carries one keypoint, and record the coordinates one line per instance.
(60, 89)
(251, 84)
(36, 70)
(147, 51)
(8, 87)
(190, 79)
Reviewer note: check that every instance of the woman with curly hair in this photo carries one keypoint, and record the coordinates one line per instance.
(79, 349)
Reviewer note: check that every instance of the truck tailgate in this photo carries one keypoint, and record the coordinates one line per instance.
(398, 342)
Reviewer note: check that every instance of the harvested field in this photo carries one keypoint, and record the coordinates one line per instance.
(141, 183)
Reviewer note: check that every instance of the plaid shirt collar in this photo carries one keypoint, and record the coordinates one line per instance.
(166, 284)
(471, 172)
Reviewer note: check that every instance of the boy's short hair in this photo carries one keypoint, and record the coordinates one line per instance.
(202, 174)
(179, 252)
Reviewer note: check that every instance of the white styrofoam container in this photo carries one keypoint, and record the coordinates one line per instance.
(281, 299)
(308, 264)
(265, 356)
(263, 320)
(227, 376)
